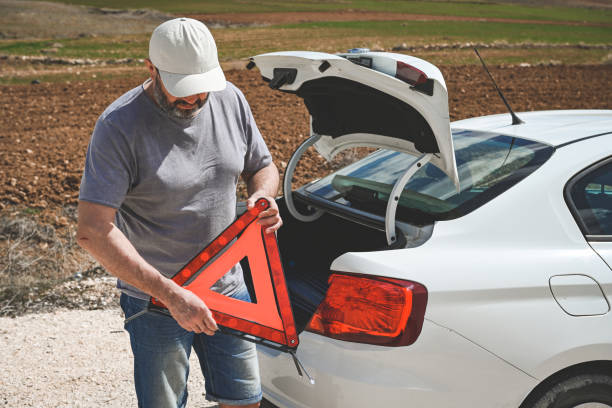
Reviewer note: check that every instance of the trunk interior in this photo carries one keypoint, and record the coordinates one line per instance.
(307, 250)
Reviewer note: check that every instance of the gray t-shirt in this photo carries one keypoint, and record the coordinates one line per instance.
(173, 181)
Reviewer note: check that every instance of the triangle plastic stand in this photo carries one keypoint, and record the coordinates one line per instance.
(270, 320)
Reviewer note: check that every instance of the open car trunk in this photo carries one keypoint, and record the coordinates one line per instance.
(380, 100)
(308, 249)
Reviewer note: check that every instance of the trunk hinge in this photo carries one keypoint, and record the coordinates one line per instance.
(397, 192)
(287, 192)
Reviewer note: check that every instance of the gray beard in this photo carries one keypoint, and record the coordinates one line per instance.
(171, 108)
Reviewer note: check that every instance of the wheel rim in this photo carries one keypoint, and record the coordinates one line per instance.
(592, 405)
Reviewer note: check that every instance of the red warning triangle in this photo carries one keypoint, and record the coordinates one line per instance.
(271, 317)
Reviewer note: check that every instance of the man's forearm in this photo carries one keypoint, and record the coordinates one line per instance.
(264, 183)
(105, 242)
(100, 237)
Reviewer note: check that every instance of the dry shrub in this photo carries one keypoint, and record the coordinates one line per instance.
(31, 250)
(36, 261)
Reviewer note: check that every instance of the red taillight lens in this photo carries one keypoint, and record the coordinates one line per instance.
(409, 74)
(372, 310)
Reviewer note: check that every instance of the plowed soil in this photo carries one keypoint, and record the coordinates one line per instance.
(45, 128)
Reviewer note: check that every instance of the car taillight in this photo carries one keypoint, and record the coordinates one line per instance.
(374, 310)
(409, 74)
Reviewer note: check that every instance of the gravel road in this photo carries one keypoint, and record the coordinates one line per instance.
(73, 359)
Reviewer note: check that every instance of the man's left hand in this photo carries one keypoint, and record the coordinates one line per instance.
(269, 218)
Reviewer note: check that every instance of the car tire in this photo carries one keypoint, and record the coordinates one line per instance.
(592, 389)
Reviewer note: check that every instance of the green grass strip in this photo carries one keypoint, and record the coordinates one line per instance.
(449, 31)
(98, 47)
(482, 9)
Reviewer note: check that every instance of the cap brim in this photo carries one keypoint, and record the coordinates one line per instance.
(181, 85)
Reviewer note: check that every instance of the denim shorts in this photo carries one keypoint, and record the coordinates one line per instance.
(161, 351)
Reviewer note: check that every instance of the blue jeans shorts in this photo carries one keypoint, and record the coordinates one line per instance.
(161, 351)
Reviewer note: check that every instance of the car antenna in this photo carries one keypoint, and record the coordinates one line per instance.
(515, 119)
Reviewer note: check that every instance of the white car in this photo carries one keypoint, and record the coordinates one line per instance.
(459, 265)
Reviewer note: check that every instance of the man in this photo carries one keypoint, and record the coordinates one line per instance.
(159, 184)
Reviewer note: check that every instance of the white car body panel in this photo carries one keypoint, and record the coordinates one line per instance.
(511, 291)
(489, 294)
(604, 250)
(433, 108)
(442, 369)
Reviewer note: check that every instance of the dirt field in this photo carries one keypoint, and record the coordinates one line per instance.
(45, 128)
(42, 19)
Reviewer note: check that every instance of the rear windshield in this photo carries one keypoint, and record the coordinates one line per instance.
(488, 164)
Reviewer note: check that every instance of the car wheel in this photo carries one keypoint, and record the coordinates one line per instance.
(580, 391)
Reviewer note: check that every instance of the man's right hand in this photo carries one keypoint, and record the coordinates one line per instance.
(191, 313)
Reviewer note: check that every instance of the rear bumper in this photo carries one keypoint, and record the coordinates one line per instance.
(441, 369)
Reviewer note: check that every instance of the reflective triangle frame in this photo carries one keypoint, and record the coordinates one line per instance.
(270, 320)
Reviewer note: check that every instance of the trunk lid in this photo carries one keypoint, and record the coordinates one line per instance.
(372, 99)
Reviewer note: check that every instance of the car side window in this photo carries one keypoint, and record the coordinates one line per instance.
(589, 195)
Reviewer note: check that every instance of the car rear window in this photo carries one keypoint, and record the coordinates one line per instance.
(488, 164)
(590, 198)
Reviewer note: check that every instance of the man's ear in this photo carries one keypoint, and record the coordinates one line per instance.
(151, 68)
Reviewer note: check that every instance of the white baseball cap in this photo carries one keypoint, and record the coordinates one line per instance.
(185, 53)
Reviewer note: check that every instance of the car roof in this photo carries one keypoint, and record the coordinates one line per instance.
(557, 127)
